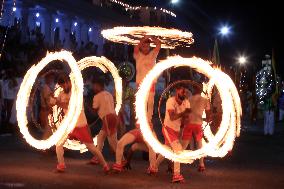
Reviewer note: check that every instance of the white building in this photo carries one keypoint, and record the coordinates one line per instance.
(59, 20)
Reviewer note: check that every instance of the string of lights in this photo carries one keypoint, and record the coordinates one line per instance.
(6, 31)
(2, 8)
(129, 7)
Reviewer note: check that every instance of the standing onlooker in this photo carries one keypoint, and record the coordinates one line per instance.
(1, 96)
(269, 121)
(281, 105)
(13, 117)
(10, 93)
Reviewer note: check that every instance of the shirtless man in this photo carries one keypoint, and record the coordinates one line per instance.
(103, 104)
(81, 131)
(193, 123)
(145, 61)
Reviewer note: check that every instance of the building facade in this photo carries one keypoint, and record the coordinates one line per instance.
(59, 23)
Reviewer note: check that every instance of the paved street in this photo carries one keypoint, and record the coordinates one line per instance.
(256, 162)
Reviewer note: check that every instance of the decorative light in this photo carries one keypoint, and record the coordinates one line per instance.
(37, 14)
(129, 7)
(7, 28)
(14, 9)
(264, 84)
(218, 145)
(90, 29)
(170, 38)
(75, 24)
(56, 20)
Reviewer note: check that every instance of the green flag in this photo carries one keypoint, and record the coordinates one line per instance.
(216, 57)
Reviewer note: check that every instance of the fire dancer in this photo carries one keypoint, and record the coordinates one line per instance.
(193, 123)
(81, 131)
(134, 136)
(177, 107)
(145, 61)
(103, 104)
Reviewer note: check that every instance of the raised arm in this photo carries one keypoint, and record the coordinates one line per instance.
(158, 44)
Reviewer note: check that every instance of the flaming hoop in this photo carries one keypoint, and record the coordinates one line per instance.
(75, 104)
(218, 145)
(105, 65)
(170, 38)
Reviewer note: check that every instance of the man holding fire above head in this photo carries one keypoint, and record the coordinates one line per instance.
(145, 61)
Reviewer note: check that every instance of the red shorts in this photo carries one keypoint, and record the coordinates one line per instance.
(110, 123)
(82, 134)
(170, 135)
(138, 135)
(190, 130)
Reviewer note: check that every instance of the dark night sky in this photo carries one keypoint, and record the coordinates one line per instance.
(256, 26)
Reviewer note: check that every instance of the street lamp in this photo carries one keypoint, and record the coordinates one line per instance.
(224, 30)
(174, 1)
(242, 60)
